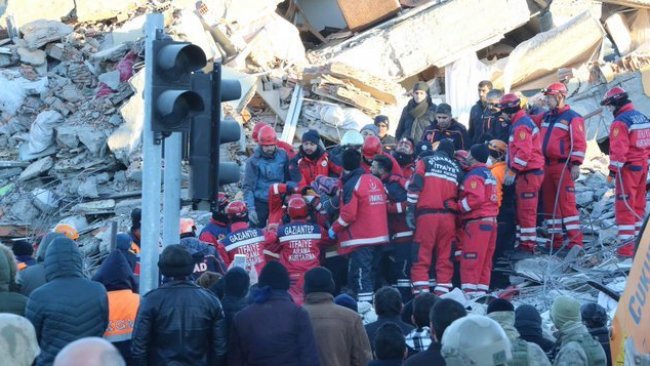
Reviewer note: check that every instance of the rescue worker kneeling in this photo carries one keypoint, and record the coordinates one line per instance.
(478, 206)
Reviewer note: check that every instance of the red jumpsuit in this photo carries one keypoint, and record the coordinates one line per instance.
(563, 145)
(434, 191)
(298, 243)
(304, 170)
(629, 149)
(525, 158)
(479, 208)
(248, 241)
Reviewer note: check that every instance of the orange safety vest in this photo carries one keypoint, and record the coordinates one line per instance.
(122, 311)
(498, 169)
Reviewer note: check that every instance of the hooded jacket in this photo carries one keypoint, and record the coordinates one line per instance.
(261, 172)
(123, 301)
(10, 300)
(68, 307)
(523, 353)
(18, 344)
(33, 277)
(529, 325)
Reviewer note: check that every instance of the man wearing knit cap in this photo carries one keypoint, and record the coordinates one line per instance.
(189, 317)
(417, 115)
(340, 336)
(524, 353)
(478, 209)
(595, 319)
(529, 325)
(446, 127)
(362, 197)
(577, 346)
(311, 161)
(273, 330)
(369, 130)
(387, 141)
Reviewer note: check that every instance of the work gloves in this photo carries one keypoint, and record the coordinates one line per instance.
(509, 179)
(331, 234)
(575, 172)
(410, 216)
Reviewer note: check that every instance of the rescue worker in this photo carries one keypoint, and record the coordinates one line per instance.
(431, 193)
(405, 157)
(243, 239)
(281, 144)
(629, 149)
(298, 243)
(217, 228)
(563, 145)
(496, 125)
(268, 165)
(525, 163)
(417, 115)
(350, 140)
(401, 236)
(362, 224)
(478, 208)
(68, 230)
(476, 340)
(478, 112)
(206, 257)
(311, 161)
(446, 127)
(371, 148)
(387, 141)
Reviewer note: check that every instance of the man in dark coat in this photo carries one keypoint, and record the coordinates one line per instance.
(68, 307)
(594, 317)
(529, 324)
(446, 127)
(388, 142)
(390, 348)
(10, 300)
(34, 276)
(273, 330)
(478, 112)
(388, 306)
(179, 322)
(417, 115)
(235, 286)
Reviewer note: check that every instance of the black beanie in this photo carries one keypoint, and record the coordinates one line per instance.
(444, 108)
(22, 247)
(480, 152)
(275, 276)
(381, 119)
(176, 261)
(311, 136)
(319, 279)
(500, 305)
(446, 146)
(236, 282)
(351, 159)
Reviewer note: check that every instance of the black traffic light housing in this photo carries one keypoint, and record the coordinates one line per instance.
(175, 100)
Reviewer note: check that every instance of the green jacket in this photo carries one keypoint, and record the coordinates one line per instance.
(10, 300)
(523, 353)
(578, 347)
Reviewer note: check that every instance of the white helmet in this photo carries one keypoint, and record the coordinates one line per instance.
(352, 138)
(475, 340)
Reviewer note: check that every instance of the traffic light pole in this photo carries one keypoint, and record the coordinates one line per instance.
(172, 189)
(151, 169)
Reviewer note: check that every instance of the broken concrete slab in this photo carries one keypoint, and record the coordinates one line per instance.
(45, 200)
(92, 11)
(41, 32)
(27, 11)
(127, 137)
(24, 211)
(130, 31)
(409, 44)
(94, 139)
(36, 168)
(95, 207)
(188, 26)
(88, 188)
(9, 173)
(111, 79)
(31, 57)
(67, 136)
(55, 50)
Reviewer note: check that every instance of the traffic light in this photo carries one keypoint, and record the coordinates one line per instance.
(174, 97)
(208, 132)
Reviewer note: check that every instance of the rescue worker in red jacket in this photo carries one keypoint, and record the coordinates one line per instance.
(217, 228)
(371, 148)
(281, 144)
(478, 213)
(311, 161)
(243, 239)
(401, 236)
(629, 150)
(298, 243)
(563, 145)
(362, 225)
(404, 154)
(432, 195)
(525, 163)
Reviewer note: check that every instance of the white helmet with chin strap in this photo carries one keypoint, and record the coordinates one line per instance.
(475, 340)
(352, 138)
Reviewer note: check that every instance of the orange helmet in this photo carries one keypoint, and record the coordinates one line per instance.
(371, 147)
(67, 230)
(555, 89)
(267, 136)
(256, 130)
(614, 95)
(297, 207)
(187, 226)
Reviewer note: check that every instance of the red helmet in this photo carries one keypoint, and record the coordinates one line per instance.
(510, 103)
(223, 199)
(371, 147)
(267, 136)
(555, 89)
(297, 207)
(461, 156)
(237, 209)
(256, 130)
(614, 95)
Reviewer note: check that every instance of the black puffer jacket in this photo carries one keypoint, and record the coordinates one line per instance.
(179, 323)
(68, 307)
(33, 276)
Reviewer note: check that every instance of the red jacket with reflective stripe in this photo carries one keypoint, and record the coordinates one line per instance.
(304, 170)
(629, 138)
(247, 241)
(563, 135)
(363, 216)
(399, 230)
(298, 244)
(524, 144)
(434, 182)
(478, 194)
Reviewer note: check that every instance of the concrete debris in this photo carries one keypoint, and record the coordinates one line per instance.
(27, 11)
(15, 88)
(24, 211)
(41, 134)
(91, 11)
(32, 57)
(41, 32)
(37, 168)
(45, 200)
